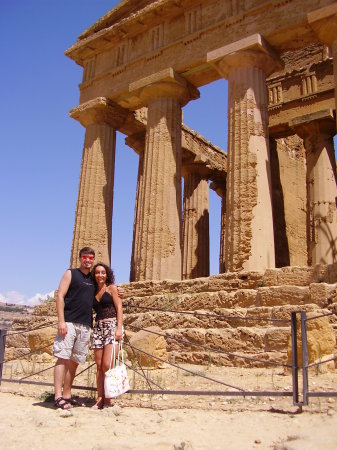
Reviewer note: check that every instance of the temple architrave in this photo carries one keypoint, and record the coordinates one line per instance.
(142, 63)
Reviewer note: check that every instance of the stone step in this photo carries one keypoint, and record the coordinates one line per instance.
(214, 283)
(217, 359)
(242, 298)
(230, 282)
(241, 339)
(258, 317)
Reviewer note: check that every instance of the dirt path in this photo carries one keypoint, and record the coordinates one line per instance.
(28, 423)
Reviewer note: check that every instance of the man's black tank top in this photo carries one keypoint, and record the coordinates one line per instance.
(79, 298)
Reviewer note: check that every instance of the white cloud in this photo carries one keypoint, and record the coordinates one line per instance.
(38, 298)
(16, 298)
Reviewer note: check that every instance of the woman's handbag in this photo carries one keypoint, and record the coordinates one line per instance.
(116, 381)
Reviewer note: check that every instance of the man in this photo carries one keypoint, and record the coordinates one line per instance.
(74, 311)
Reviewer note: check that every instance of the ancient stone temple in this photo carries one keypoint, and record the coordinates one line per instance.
(142, 63)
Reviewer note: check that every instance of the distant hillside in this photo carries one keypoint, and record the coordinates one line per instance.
(9, 312)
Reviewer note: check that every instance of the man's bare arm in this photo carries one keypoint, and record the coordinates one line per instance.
(61, 293)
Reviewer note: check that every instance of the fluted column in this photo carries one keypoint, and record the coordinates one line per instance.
(317, 131)
(324, 23)
(137, 143)
(222, 261)
(93, 219)
(249, 222)
(160, 249)
(195, 225)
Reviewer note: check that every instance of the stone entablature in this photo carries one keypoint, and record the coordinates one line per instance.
(210, 159)
(306, 85)
(220, 25)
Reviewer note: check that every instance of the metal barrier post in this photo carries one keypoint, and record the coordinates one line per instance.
(304, 356)
(3, 334)
(294, 357)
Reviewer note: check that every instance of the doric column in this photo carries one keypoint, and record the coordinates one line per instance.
(93, 219)
(160, 255)
(220, 188)
(249, 222)
(222, 253)
(324, 23)
(317, 131)
(195, 225)
(137, 143)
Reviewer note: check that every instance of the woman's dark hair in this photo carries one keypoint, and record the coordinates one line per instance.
(110, 277)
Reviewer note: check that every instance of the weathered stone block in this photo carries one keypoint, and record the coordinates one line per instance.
(42, 339)
(321, 339)
(276, 339)
(150, 343)
(320, 293)
(332, 273)
(282, 295)
(245, 297)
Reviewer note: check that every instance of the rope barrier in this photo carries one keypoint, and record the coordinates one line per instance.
(334, 358)
(33, 329)
(184, 369)
(144, 376)
(212, 316)
(321, 315)
(84, 370)
(24, 354)
(214, 350)
(36, 373)
(215, 393)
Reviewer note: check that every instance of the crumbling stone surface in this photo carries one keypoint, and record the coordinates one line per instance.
(320, 337)
(42, 340)
(249, 321)
(150, 343)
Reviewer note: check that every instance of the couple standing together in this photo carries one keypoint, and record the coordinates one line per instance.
(81, 290)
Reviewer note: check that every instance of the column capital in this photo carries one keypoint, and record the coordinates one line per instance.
(323, 21)
(137, 142)
(320, 122)
(164, 84)
(219, 188)
(252, 51)
(194, 167)
(101, 110)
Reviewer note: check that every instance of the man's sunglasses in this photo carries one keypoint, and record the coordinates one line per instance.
(90, 257)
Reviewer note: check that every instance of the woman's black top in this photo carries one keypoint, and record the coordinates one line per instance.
(105, 308)
(79, 298)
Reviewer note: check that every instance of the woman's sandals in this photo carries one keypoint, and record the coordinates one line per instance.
(98, 405)
(62, 403)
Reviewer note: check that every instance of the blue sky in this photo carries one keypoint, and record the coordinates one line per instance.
(41, 147)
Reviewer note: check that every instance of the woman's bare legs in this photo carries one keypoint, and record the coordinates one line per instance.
(98, 353)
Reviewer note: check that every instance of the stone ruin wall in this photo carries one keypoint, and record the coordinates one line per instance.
(273, 294)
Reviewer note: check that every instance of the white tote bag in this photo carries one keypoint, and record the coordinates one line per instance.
(116, 381)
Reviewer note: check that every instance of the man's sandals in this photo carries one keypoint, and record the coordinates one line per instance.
(62, 403)
(73, 402)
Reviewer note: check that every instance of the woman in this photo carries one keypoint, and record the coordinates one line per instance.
(108, 325)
